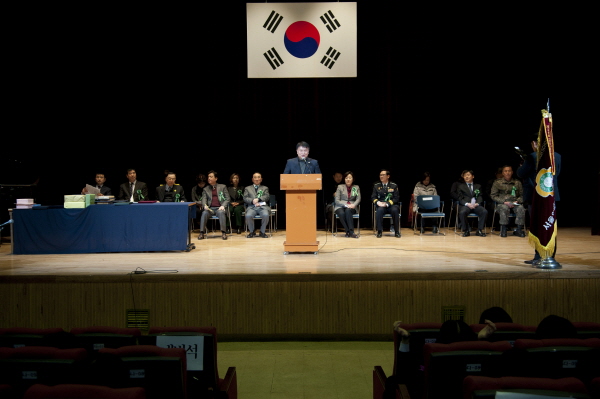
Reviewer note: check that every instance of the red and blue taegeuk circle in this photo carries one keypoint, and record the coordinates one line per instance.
(302, 39)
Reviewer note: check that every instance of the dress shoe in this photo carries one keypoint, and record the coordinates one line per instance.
(346, 235)
(263, 235)
(397, 234)
(466, 233)
(352, 235)
(228, 231)
(529, 262)
(435, 230)
(224, 235)
(239, 230)
(251, 235)
(379, 234)
(503, 230)
(201, 236)
(480, 233)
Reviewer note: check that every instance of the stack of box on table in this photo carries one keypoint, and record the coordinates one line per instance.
(25, 203)
(79, 200)
(105, 199)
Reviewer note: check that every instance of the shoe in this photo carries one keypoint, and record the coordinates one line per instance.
(379, 234)
(251, 235)
(519, 232)
(391, 229)
(503, 230)
(397, 234)
(480, 233)
(263, 235)
(529, 262)
(224, 235)
(466, 233)
(352, 235)
(201, 236)
(239, 230)
(435, 230)
(346, 235)
(228, 231)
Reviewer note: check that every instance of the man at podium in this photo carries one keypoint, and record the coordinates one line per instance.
(302, 164)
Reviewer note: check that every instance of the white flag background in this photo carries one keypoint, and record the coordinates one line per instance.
(301, 40)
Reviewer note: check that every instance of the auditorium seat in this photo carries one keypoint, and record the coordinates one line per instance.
(506, 332)
(560, 358)
(73, 391)
(208, 378)
(446, 365)
(97, 337)
(7, 392)
(160, 371)
(420, 334)
(380, 382)
(475, 387)
(587, 329)
(26, 366)
(16, 337)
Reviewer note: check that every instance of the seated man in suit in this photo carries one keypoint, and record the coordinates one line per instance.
(469, 197)
(302, 164)
(100, 180)
(508, 194)
(215, 200)
(386, 198)
(170, 192)
(256, 198)
(134, 190)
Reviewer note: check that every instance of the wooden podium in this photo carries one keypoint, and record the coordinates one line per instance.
(301, 212)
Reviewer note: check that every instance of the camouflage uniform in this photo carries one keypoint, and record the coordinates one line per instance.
(502, 191)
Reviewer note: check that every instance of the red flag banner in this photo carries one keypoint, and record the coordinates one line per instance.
(542, 235)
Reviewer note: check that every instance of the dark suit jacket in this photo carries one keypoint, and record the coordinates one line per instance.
(293, 166)
(177, 189)
(464, 194)
(207, 195)
(125, 192)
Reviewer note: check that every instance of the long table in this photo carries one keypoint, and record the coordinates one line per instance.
(103, 228)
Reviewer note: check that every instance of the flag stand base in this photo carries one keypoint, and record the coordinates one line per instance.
(548, 263)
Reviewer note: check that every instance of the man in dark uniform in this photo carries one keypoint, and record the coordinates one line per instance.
(134, 190)
(170, 192)
(386, 198)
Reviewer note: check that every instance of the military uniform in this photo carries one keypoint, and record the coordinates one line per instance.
(389, 194)
(508, 191)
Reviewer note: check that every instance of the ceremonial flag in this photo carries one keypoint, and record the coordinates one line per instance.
(542, 235)
(301, 40)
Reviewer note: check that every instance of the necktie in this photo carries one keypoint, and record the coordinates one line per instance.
(471, 188)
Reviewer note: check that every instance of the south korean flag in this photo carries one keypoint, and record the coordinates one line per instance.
(301, 40)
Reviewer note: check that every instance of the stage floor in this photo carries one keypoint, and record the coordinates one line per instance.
(411, 257)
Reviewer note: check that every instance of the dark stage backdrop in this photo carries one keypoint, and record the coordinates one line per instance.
(153, 89)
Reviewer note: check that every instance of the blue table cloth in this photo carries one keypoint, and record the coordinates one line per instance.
(103, 228)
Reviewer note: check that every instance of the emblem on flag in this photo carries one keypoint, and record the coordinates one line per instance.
(287, 40)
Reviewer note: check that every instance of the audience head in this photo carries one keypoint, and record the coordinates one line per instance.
(507, 172)
(555, 327)
(426, 179)
(495, 314)
(349, 178)
(201, 180)
(384, 175)
(455, 331)
(131, 175)
(234, 179)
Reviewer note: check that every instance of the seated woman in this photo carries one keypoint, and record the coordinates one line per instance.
(236, 192)
(424, 187)
(347, 198)
(197, 193)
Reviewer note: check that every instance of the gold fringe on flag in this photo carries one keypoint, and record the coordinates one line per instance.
(544, 251)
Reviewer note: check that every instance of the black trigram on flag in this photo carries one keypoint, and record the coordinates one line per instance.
(330, 22)
(330, 57)
(273, 58)
(273, 21)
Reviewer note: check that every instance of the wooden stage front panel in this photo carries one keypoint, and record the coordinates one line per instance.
(248, 289)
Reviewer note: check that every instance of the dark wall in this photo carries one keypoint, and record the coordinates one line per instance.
(153, 89)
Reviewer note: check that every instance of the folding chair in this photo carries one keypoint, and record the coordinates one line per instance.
(471, 215)
(273, 205)
(387, 216)
(356, 216)
(511, 215)
(429, 202)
